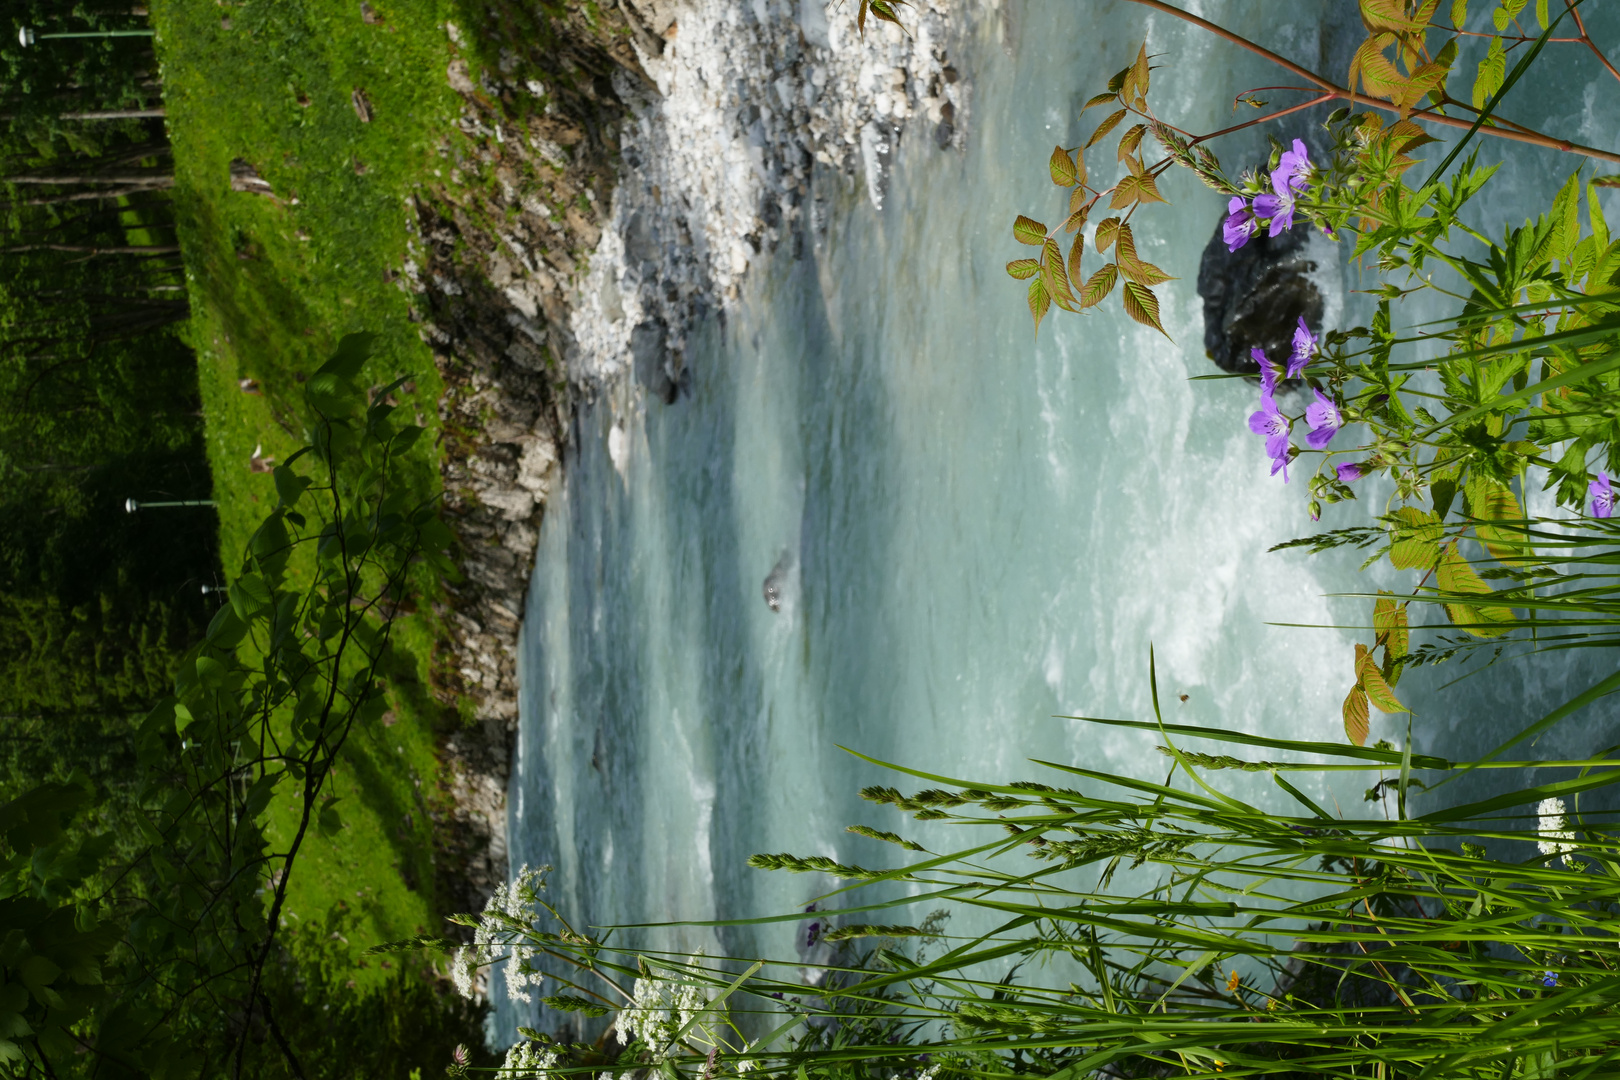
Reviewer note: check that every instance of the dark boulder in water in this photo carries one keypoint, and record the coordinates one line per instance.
(1255, 296)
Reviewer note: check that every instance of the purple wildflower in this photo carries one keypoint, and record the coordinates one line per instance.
(1274, 426)
(1325, 421)
(1268, 371)
(1294, 165)
(1287, 183)
(1304, 349)
(1549, 979)
(1351, 471)
(1240, 223)
(812, 934)
(1602, 496)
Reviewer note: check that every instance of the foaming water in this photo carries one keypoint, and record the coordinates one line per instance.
(972, 534)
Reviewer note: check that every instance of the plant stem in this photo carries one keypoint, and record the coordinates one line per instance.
(1526, 135)
(1580, 24)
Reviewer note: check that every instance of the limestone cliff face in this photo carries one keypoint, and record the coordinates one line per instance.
(606, 190)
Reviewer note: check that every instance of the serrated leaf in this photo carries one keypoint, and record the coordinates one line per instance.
(1457, 578)
(1138, 187)
(1061, 166)
(1104, 128)
(1039, 302)
(1101, 99)
(1075, 251)
(1417, 539)
(1459, 13)
(1107, 230)
(1490, 73)
(1055, 277)
(1373, 684)
(1355, 715)
(1100, 284)
(1390, 627)
(1077, 219)
(1143, 273)
(1029, 231)
(1023, 269)
(1142, 305)
(1079, 176)
(1129, 141)
(1491, 500)
(1140, 72)
(1375, 70)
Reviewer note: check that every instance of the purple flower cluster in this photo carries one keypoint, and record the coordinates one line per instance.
(1289, 180)
(1322, 416)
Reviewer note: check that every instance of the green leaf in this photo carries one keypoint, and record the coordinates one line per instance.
(327, 820)
(1023, 269)
(1417, 536)
(1373, 685)
(1029, 231)
(352, 353)
(1096, 290)
(1129, 141)
(1459, 13)
(1390, 627)
(1062, 167)
(1491, 500)
(1492, 71)
(289, 485)
(1107, 230)
(1142, 305)
(1109, 124)
(1355, 716)
(1101, 99)
(1039, 303)
(1055, 277)
(1455, 577)
(211, 673)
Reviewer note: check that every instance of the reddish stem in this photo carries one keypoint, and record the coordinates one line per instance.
(1580, 24)
(1333, 89)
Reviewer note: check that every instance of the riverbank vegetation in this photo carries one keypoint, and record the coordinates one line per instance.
(238, 798)
(1137, 928)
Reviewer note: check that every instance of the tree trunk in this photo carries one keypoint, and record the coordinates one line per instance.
(149, 180)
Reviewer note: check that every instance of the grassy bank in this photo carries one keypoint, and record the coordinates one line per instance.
(275, 280)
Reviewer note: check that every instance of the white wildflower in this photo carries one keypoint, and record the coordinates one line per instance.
(661, 1006)
(463, 968)
(503, 930)
(1555, 829)
(527, 1060)
(929, 1073)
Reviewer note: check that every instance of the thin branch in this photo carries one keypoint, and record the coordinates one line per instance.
(1428, 116)
(1580, 24)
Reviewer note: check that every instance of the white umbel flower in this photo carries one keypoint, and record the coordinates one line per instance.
(528, 1061)
(503, 931)
(661, 1006)
(1554, 829)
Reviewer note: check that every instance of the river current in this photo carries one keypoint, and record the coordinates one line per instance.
(971, 533)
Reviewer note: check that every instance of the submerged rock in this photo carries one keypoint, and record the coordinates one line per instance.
(1256, 295)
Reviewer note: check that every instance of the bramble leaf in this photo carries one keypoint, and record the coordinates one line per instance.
(1142, 305)
(1416, 540)
(1062, 167)
(1143, 273)
(1075, 251)
(1491, 500)
(1355, 715)
(1101, 99)
(1095, 290)
(1054, 277)
(1104, 128)
(1107, 229)
(1029, 231)
(1456, 577)
(1129, 141)
(1039, 302)
(1389, 626)
(1373, 684)
(1077, 219)
(1023, 269)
